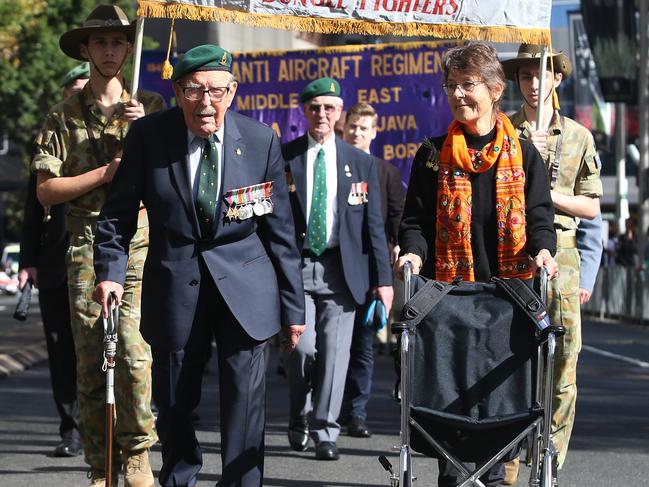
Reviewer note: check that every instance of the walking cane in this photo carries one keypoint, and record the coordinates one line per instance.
(110, 349)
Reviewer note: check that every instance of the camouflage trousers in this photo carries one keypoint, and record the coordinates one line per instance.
(134, 423)
(564, 308)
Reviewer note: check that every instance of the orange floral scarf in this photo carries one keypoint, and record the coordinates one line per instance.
(453, 254)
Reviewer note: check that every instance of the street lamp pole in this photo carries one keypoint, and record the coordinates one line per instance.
(643, 204)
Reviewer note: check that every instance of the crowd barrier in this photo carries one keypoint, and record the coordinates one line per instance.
(620, 293)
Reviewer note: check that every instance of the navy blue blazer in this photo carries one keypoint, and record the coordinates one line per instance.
(363, 245)
(254, 263)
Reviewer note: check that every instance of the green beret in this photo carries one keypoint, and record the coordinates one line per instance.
(207, 57)
(79, 71)
(320, 87)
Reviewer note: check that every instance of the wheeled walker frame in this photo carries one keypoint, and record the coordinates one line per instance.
(541, 449)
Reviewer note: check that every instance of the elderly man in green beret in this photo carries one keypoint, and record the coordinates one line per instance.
(568, 150)
(336, 202)
(77, 153)
(222, 262)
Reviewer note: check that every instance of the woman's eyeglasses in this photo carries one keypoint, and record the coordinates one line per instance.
(465, 87)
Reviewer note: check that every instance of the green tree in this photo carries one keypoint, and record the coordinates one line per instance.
(31, 65)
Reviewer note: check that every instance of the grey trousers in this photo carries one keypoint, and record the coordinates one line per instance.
(317, 368)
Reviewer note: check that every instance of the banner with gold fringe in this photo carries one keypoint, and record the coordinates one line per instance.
(491, 20)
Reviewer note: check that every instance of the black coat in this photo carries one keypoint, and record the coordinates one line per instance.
(417, 231)
(392, 198)
(44, 244)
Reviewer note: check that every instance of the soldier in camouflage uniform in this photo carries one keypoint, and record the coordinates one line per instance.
(573, 168)
(78, 151)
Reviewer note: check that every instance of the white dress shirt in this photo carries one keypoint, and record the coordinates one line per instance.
(195, 148)
(331, 165)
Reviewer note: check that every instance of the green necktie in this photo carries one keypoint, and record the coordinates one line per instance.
(318, 214)
(208, 177)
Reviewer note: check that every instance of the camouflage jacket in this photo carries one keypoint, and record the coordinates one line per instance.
(579, 165)
(64, 149)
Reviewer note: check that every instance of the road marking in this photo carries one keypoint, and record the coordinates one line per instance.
(3, 308)
(616, 356)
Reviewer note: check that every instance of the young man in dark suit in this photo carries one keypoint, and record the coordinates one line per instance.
(222, 261)
(360, 130)
(335, 198)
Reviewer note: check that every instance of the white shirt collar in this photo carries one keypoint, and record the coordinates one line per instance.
(192, 137)
(329, 144)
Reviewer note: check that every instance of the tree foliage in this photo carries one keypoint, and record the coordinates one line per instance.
(31, 65)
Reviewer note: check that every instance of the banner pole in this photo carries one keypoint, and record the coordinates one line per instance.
(543, 62)
(137, 56)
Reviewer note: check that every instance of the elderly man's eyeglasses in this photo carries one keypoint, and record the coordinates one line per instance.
(195, 93)
(328, 108)
(465, 87)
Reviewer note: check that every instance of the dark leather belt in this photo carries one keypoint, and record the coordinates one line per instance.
(328, 251)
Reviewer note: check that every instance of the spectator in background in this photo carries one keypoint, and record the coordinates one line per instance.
(626, 251)
(43, 245)
(611, 245)
(359, 131)
(646, 250)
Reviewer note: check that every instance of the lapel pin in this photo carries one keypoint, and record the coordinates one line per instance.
(238, 151)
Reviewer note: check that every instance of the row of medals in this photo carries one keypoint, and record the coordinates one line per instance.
(243, 212)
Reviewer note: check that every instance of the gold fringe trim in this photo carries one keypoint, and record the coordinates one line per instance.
(162, 9)
(167, 68)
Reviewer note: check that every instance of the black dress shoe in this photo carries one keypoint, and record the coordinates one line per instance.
(357, 427)
(298, 434)
(69, 447)
(326, 450)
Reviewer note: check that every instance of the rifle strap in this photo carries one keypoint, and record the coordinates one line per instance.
(554, 172)
(87, 118)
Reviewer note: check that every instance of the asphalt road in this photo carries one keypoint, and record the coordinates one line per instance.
(610, 444)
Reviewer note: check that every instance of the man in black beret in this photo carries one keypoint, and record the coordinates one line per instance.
(336, 202)
(222, 262)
